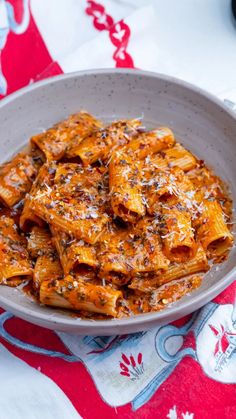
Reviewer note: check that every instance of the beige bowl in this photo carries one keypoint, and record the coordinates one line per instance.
(200, 121)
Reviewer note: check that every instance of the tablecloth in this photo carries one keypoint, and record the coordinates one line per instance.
(185, 370)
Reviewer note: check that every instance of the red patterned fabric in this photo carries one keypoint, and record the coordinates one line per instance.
(186, 370)
(119, 33)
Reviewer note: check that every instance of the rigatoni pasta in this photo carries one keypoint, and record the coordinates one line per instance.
(110, 220)
(73, 203)
(177, 234)
(175, 271)
(76, 256)
(28, 217)
(16, 178)
(74, 293)
(164, 186)
(125, 187)
(178, 156)
(122, 253)
(213, 231)
(39, 242)
(55, 141)
(150, 142)
(99, 144)
(47, 267)
(15, 265)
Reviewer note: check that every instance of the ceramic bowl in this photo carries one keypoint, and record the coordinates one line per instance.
(200, 121)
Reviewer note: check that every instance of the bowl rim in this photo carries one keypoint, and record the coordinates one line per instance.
(132, 71)
(171, 312)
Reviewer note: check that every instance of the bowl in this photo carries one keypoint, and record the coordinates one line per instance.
(200, 121)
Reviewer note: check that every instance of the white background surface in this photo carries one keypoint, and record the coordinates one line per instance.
(194, 40)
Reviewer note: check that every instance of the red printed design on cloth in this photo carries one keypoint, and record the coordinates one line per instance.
(223, 337)
(130, 367)
(101, 20)
(24, 57)
(119, 33)
(63, 356)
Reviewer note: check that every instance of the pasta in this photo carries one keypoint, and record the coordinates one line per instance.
(39, 242)
(213, 231)
(177, 234)
(78, 295)
(47, 267)
(173, 291)
(125, 187)
(76, 256)
(110, 221)
(55, 141)
(162, 296)
(16, 178)
(99, 144)
(73, 204)
(178, 156)
(123, 253)
(28, 217)
(164, 186)
(15, 265)
(151, 142)
(175, 271)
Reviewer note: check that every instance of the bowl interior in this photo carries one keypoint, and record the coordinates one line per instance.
(201, 123)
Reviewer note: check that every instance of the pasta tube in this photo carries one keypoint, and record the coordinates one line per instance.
(16, 178)
(99, 144)
(42, 183)
(177, 234)
(123, 253)
(175, 271)
(149, 256)
(72, 293)
(15, 266)
(180, 157)
(213, 231)
(151, 142)
(74, 204)
(28, 218)
(169, 186)
(47, 268)
(115, 256)
(55, 141)
(76, 256)
(40, 242)
(173, 291)
(161, 297)
(125, 188)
